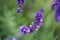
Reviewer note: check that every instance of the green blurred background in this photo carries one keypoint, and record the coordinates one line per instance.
(10, 20)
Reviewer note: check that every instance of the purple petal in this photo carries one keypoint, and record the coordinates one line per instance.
(54, 5)
(32, 26)
(13, 38)
(37, 27)
(58, 0)
(39, 17)
(19, 11)
(20, 2)
(24, 29)
(57, 13)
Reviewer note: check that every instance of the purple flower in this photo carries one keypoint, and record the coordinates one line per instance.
(57, 13)
(37, 27)
(54, 5)
(13, 38)
(57, 17)
(19, 11)
(32, 27)
(24, 29)
(39, 17)
(20, 3)
(58, 0)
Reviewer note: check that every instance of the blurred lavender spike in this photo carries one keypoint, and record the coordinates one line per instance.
(54, 5)
(57, 13)
(19, 11)
(37, 27)
(32, 24)
(20, 3)
(58, 0)
(39, 17)
(32, 27)
(56, 8)
(24, 30)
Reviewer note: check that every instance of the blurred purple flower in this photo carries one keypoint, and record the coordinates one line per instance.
(20, 3)
(58, 0)
(19, 11)
(32, 27)
(57, 12)
(39, 17)
(24, 29)
(13, 38)
(54, 5)
(37, 27)
(56, 8)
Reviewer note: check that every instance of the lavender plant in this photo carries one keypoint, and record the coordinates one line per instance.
(56, 6)
(32, 28)
(20, 3)
(29, 26)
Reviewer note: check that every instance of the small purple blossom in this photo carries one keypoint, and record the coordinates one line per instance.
(24, 29)
(39, 17)
(32, 27)
(20, 3)
(13, 38)
(37, 27)
(19, 11)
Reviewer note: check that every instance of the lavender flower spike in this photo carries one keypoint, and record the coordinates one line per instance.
(58, 0)
(32, 27)
(39, 17)
(57, 13)
(24, 30)
(56, 8)
(20, 3)
(37, 27)
(19, 11)
(54, 5)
